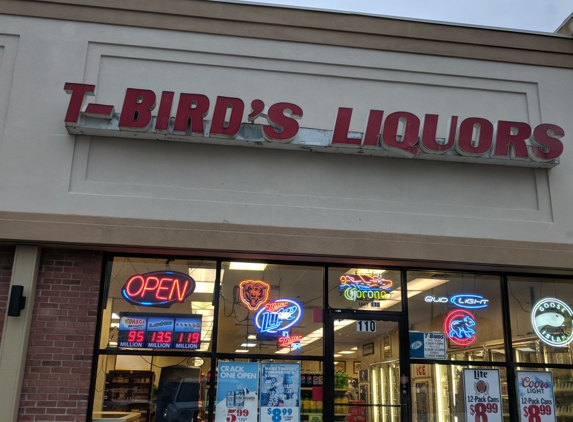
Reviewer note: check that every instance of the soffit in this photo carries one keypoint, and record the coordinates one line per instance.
(309, 26)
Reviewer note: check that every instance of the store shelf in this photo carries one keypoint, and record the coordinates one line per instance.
(129, 391)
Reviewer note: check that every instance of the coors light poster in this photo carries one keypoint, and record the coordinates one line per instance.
(536, 399)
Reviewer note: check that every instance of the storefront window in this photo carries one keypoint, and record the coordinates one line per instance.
(367, 289)
(562, 389)
(467, 308)
(154, 306)
(438, 392)
(271, 309)
(541, 319)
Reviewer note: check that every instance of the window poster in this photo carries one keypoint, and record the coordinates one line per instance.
(536, 399)
(237, 395)
(482, 395)
(280, 392)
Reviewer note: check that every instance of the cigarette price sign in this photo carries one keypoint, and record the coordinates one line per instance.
(482, 395)
(536, 398)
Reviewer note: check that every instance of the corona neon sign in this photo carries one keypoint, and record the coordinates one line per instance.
(459, 327)
(158, 288)
(552, 322)
(365, 287)
(254, 293)
(278, 315)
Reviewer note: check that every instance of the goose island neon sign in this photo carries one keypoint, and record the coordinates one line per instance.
(396, 134)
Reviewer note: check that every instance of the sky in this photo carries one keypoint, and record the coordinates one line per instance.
(527, 15)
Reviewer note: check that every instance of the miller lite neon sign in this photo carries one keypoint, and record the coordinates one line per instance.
(158, 288)
(278, 315)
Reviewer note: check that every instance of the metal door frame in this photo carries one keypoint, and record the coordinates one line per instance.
(404, 358)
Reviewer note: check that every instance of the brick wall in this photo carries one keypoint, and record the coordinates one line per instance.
(6, 262)
(60, 352)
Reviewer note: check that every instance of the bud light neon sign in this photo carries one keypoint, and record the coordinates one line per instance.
(278, 315)
(158, 288)
(365, 287)
(459, 327)
(469, 301)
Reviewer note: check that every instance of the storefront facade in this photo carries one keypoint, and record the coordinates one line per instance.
(402, 186)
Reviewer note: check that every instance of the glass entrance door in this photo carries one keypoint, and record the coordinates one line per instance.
(367, 373)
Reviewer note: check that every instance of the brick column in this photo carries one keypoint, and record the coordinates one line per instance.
(60, 353)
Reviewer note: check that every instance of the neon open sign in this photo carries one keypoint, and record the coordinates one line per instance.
(158, 288)
(278, 315)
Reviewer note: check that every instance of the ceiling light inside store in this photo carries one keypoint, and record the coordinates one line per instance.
(346, 352)
(247, 266)
(420, 285)
(354, 348)
(525, 349)
(248, 344)
(336, 355)
(251, 337)
(114, 316)
(241, 351)
(415, 287)
(204, 279)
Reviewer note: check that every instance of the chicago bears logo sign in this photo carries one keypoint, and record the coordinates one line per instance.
(253, 293)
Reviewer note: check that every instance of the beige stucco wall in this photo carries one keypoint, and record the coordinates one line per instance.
(151, 194)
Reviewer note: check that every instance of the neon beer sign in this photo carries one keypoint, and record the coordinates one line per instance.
(158, 288)
(365, 287)
(459, 327)
(278, 315)
(469, 301)
(552, 321)
(290, 340)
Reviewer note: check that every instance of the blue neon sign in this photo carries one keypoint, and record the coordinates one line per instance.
(469, 301)
(278, 315)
